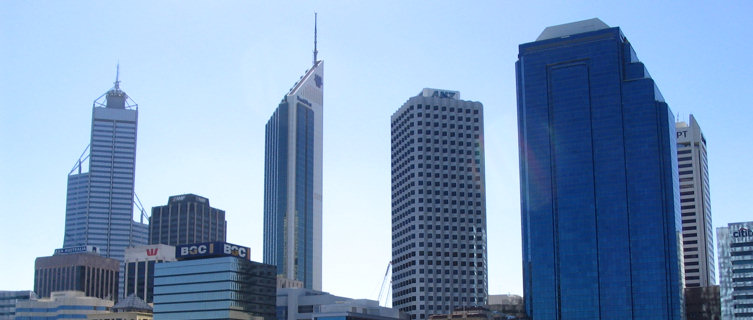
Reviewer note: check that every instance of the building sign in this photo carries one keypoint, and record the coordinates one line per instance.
(743, 232)
(76, 249)
(211, 249)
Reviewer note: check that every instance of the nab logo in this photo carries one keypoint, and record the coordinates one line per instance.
(152, 251)
(318, 80)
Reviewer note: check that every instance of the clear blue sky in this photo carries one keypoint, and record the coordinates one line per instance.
(207, 76)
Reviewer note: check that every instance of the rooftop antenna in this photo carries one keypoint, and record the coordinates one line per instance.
(315, 51)
(117, 76)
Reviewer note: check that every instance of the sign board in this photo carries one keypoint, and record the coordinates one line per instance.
(211, 249)
(76, 249)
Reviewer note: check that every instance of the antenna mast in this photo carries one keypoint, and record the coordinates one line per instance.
(117, 76)
(315, 51)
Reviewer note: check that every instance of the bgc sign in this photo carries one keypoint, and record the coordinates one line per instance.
(211, 249)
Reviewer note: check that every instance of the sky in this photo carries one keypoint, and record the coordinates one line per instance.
(208, 75)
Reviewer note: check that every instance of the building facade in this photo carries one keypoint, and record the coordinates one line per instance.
(214, 280)
(703, 303)
(438, 204)
(293, 182)
(99, 202)
(185, 219)
(62, 305)
(697, 232)
(600, 212)
(735, 243)
(90, 273)
(139, 269)
(8, 301)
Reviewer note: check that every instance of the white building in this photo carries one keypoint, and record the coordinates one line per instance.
(438, 204)
(697, 232)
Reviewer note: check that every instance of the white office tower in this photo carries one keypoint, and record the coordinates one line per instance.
(99, 203)
(438, 204)
(697, 234)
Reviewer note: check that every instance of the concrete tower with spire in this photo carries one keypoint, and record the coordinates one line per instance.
(293, 181)
(99, 202)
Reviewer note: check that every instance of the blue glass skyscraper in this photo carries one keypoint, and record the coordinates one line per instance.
(293, 182)
(599, 186)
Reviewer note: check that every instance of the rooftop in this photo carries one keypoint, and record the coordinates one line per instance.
(568, 29)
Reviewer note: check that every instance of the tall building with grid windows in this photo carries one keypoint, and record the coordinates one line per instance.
(186, 218)
(735, 243)
(99, 202)
(438, 204)
(293, 182)
(600, 209)
(697, 232)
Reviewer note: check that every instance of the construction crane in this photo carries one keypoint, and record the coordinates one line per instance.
(389, 288)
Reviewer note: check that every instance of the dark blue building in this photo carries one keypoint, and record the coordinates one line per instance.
(599, 194)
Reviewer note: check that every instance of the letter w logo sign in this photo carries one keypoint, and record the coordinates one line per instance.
(151, 252)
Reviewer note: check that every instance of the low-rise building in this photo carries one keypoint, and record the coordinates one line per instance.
(77, 269)
(702, 303)
(8, 300)
(128, 308)
(214, 280)
(139, 268)
(62, 305)
(307, 304)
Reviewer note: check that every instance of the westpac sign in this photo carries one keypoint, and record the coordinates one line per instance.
(211, 249)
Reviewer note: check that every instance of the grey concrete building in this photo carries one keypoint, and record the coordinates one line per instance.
(438, 204)
(697, 232)
(185, 219)
(90, 273)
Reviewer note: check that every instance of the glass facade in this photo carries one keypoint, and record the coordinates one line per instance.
(736, 270)
(599, 185)
(293, 182)
(186, 219)
(214, 288)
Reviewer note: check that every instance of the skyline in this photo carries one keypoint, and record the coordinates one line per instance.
(240, 59)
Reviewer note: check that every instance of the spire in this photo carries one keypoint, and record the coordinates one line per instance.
(315, 51)
(117, 76)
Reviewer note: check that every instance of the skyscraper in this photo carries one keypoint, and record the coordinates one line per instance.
(438, 204)
(600, 207)
(697, 232)
(99, 203)
(186, 218)
(736, 270)
(293, 182)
